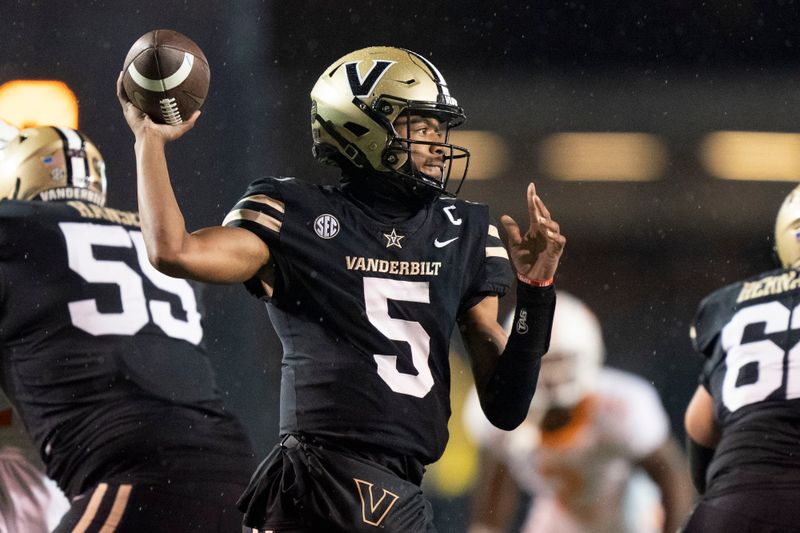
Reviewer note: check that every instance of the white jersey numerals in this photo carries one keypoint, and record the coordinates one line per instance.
(768, 356)
(377, 293)
(136, 311)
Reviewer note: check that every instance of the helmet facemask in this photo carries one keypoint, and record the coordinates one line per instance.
(356, 103)
(400, 154)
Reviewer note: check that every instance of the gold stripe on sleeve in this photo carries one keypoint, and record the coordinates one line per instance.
(258, 217)
(117, 510)
(266, 200)
(493, 231)
(496, 251)
(91, 509)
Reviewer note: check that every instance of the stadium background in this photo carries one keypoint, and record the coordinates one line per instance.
(661, 137)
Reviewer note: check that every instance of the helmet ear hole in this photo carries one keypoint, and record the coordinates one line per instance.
(384, 107)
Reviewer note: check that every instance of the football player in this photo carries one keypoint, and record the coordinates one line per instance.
(743, 421)
(102, 355)
(365, 283)
(591, 434)
(29, 501)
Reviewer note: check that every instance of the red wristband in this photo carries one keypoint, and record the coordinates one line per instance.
(534, 282)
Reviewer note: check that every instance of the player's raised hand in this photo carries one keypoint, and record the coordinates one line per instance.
(141, 124)
(535, 253)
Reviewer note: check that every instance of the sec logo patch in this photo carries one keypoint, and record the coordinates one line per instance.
(326, 226)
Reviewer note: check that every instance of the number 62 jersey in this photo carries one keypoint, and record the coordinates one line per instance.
(749, 333)
(365, 309)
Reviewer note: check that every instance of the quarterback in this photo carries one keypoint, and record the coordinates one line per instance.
(102, 356)
(365, 282)
(743, 421)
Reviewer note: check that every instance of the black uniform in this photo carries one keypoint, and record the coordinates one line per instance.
(102, 357)
(750, 334)
(365, 310)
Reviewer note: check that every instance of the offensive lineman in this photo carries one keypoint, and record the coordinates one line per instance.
(101, 354)
(29, 501)
(743, 421)
(365, 283)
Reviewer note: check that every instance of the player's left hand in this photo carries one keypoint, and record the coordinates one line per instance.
(536, 253)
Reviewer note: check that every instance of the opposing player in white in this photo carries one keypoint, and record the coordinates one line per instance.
(591, 432)
(30, 502)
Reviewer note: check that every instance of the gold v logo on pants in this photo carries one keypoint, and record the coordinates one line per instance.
(374, 512)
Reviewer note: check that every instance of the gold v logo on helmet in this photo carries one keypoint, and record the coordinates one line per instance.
(374, 512)
(364, 87)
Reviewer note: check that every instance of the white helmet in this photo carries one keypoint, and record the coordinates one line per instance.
(570, 367)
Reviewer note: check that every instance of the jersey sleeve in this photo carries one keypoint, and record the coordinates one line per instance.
(704, 332)
(707, 324)
(260, 211)
(495, 275)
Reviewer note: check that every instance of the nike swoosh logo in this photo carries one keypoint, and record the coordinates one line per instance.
(441, 244)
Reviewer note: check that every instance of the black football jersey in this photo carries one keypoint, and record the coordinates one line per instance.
(749, 333)
(102, 355)
(365, 309)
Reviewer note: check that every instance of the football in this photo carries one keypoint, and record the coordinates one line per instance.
(166, 75)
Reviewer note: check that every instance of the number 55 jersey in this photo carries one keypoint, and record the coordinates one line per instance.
(365, 307)
(102, 355)
(749, 333)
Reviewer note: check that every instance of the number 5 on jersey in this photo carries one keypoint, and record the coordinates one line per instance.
(80, 237)
(377, 293)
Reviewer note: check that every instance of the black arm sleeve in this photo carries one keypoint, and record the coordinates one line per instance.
(699, 459)
(510, 389)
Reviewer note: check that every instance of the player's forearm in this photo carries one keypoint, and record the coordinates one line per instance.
(509, 387)
(676, 498)
(163, 225)
(699, 460)
(667, 467)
